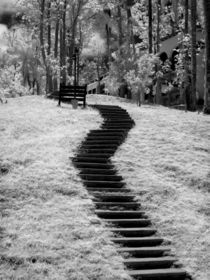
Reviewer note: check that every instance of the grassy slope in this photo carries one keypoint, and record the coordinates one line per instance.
(48, 229)
(167, 156)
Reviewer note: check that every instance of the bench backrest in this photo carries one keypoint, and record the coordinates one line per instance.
(67, 93)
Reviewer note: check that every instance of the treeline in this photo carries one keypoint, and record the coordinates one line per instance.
(117, 38)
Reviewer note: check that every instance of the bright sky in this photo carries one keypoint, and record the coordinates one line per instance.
(5, 6)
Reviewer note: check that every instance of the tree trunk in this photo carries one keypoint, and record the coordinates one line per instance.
(175, 4)
(61, 52)
(56, 51)
(158, 85)
(49, 70)
(63, 45)
(193, 55)
(158, 24)
(186, 29)
(108, 35)
(130, 30)
(108, 44)
(42, 42)
(150, 24)
(120, 38)
(98, 89)
(206, 4)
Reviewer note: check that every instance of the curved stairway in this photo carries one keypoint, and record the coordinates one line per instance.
(145, 255)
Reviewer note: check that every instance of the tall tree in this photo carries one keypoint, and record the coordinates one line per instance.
(120, 32)
(150, 25)
(193, 55)
(49, 43)
(186, 9)
(158, 25)
(206, 5)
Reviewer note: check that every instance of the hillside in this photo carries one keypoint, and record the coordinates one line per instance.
(48, 226)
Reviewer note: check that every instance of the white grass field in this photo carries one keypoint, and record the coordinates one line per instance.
(48, 229)
(167, 156)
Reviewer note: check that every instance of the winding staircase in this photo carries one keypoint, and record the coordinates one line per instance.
(145, 254)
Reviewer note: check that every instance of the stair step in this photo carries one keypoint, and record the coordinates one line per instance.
(104, 137)
(110, 190)
(115, 197)
(111, 109)
(138, 241)
(119, 214)
(106, 132)
(134, 232)
(93, 165)
(97, 150)
(117, 205)
(117, 117)
(149, 263)
(94, 155)
(103, 184)
(90, 159)
(129, 223)
(98, 171)
(142, 252)
(102, 141)
(100, 146)
(112, 126)
(101, 177)
(159, 274)
(111, 136)
(112, 121)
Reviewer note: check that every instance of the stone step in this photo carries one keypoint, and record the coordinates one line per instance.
(116, 116)
(100, 146)
(93, 165)
(114, 197)
(107, 132)
(143, 252)
(149, 263)
(109, 190)
(97, 150)
(133, 242)
(117, 205)
(101, 177)
(120, 121)
(90, 159)
(113, 109)
(159, 274)
(112, 136)
(98, 171)
(112, 126)
(129, 223)
(94, 155)
(102, 141)
(109, 107)
(134, 232)
(105, 137)
(103, 184)
(120, 214)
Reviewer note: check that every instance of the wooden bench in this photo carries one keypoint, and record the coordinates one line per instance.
(68, 93)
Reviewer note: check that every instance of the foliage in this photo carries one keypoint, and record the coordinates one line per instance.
(141, 78)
